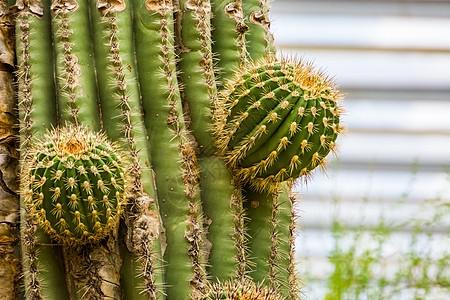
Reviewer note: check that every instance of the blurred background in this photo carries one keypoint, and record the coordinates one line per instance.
(376, 226)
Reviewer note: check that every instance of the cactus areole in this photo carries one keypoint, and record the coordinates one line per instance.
(277, 121)
(75, 184)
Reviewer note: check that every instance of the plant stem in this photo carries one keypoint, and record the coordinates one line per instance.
(37, 114)
(172, 156)
(123, 122)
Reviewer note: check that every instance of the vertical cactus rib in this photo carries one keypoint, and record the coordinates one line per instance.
(228, 35)
(274, 242)
(122, 120)
(282, 258)
(271, 226)
(74, 63)
(196, 69)
(240, 233)
(173, 158)
(293, 282)
(223, 211)
(43, 264)
(262, 210)
(229, 47)
(35, 71)
(259, 38)
(199, 94)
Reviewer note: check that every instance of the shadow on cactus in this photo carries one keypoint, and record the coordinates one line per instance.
(277, 120)
(75, 184)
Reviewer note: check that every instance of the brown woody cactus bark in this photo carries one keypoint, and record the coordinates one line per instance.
(9, 201)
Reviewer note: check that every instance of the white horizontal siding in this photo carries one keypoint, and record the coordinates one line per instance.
(381, 69)
(395, 149)
(393, 60)
(414, 115)
(391, 32)
(372, 184)
(412, 8)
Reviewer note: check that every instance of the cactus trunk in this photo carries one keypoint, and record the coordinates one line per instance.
(9, 219)
(156, 140)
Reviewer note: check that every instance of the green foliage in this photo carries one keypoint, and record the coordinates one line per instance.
(389, 260)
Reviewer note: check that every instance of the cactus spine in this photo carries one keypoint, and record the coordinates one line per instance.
(242, 289)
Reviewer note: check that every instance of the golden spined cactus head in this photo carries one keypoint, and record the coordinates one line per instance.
(277, 120)
(75, 184)
(237, 290)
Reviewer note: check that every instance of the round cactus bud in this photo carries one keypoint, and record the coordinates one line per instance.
(75, 184)
(246, 290)
(277, 121)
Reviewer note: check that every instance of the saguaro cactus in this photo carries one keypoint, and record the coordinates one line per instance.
(193, 197)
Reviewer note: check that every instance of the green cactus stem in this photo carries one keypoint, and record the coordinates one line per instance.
(281, 120)
(196, 70)
(75, 184)
(199, 94)
(123, 122)
(173, 158)
(271, 225)
(259, 38)
(37, 113)
(228, 35)
(262, 213)
(222, 203)
(229, 47)
(74, 63)
(288, 231)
